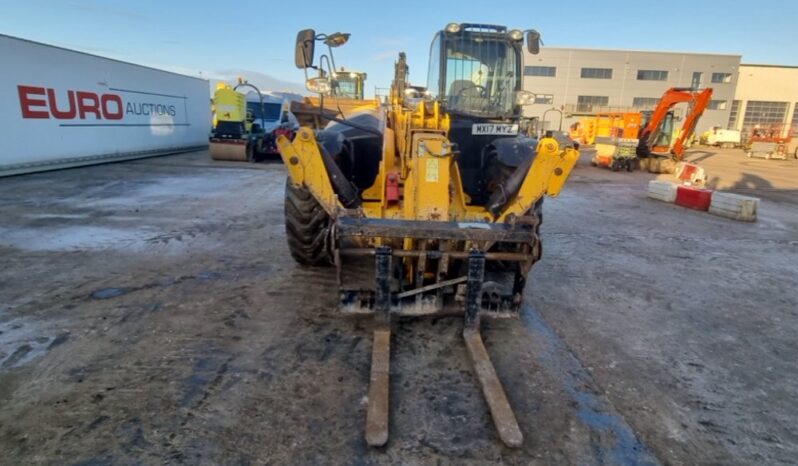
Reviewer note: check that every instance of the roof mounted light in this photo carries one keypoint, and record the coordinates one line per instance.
(453, 28)
(516, 34)
(336, 39)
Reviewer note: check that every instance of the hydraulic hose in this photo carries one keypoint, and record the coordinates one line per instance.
(343, 188)
(509, 188)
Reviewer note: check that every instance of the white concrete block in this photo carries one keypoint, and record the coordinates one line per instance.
(734, 206)
(662, 190)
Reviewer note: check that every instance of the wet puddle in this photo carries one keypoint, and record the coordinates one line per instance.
(622, 446)
(22, 342)
(108, 293)
(72, 238)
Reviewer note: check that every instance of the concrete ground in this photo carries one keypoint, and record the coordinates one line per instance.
(150, 313)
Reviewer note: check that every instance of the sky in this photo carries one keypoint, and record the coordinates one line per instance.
(255, 39)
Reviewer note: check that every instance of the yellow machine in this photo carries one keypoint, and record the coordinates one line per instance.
(242, 130)
(348, 84)
(229, 105)
(614, 136)
(345, 96)
(229, 136)
(428, 205)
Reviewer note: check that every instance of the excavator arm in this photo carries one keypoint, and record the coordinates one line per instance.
(697, 102)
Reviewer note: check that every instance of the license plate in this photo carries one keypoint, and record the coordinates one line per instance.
(496, 129)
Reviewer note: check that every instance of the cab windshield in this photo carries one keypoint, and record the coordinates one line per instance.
(271, 111)
(347, 87)
(481, 76)
(664, 133)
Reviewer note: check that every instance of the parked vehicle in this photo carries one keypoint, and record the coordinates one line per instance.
(720, 137)
(771, 142)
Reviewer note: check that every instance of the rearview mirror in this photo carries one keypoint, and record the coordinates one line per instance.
(305, 47)
(533, 42)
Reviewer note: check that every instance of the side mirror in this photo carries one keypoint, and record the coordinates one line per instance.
(533, 42)
(305, 47)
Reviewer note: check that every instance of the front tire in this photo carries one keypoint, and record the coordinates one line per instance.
(307, 227)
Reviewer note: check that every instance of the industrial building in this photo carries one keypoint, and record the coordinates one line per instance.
(573, 82)
(766, 95)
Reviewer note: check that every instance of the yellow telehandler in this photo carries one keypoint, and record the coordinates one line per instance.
(429, 204)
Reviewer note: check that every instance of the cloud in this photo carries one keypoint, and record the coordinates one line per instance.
(263, 81)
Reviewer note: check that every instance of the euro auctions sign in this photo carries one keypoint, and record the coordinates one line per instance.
(117, 107)
(64, 108)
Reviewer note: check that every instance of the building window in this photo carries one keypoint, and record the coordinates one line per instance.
(794, 126)
(697, 78)
(547, 71)
(735, 110)
(721, 77)
(764, 113)
(652, 75)
(717, 105)
(597, 73)
(645, 102)
(587, 103)
(547, 99)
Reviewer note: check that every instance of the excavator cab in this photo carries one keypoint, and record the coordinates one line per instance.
(663, 139)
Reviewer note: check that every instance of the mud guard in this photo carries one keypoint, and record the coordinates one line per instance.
(512, 152)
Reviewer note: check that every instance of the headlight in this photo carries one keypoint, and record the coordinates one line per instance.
(516, 34)
(318, 85)
(524, 98)
(453, 28)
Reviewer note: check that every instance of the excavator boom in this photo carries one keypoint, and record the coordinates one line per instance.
(697, 102)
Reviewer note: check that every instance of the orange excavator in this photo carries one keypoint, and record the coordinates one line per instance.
(657, 153)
